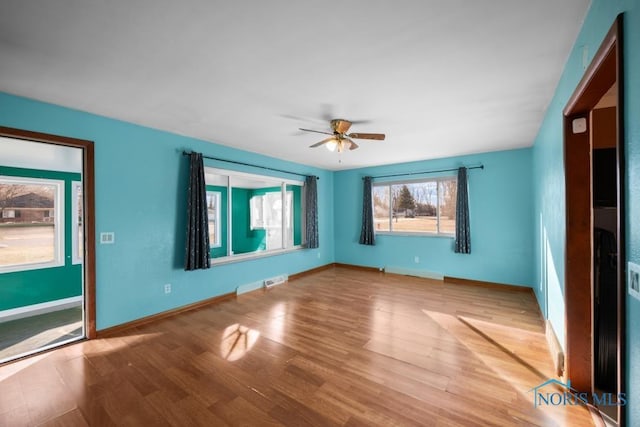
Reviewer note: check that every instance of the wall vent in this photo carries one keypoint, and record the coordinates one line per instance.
(274, 281)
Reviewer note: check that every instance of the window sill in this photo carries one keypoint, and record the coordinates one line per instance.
(253, 255)
(19, 268)
(416, 234)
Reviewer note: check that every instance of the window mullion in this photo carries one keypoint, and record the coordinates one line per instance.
(229, 218)
(283, 219)
(390, 208)
(438, 207)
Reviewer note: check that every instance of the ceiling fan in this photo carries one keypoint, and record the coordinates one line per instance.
(340, 139)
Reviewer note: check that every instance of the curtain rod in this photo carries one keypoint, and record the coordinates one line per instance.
(186, 153)
(421, 173)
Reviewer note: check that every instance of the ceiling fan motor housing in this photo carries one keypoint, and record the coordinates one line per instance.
(340, 126)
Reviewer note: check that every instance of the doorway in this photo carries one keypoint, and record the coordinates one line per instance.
(595, 235)
(47, 260)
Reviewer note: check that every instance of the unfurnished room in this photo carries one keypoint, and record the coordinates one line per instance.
(358, 213)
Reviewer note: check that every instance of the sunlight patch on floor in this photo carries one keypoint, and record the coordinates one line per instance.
(237, 340)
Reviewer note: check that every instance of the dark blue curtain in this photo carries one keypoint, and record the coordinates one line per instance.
(311, 212)
(463, 230)
(367, 235)
(197, 244)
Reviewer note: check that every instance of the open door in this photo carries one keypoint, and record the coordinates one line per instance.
(47, 271)
(595, 235)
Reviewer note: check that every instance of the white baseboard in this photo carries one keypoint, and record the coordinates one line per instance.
(557, 353)
(42, 308)
(417, 273)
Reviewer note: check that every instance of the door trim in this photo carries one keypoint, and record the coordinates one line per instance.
(89, 201)
(605, 69)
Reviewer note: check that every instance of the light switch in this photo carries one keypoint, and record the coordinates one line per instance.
(107, 238)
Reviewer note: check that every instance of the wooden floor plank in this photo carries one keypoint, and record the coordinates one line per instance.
(339, 347)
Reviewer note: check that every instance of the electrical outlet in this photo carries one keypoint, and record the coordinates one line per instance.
(167, 288)
(416, 259)
(318, 255)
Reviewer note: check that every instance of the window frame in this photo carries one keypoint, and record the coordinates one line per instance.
(278, 181)
(218, 196)
(76, 258)
(58, 223)
(389, 184)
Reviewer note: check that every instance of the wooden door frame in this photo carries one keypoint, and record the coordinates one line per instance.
(605, 69)
(88, 179)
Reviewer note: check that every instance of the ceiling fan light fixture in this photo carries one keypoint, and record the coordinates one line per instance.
(331, 145)
(339, 140)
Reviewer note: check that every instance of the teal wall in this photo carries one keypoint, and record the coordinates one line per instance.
(22, 288)
(296, 191)
(244, 239)
(548, 170)
(222, 249)
(141, 181)
(500, 199)
(297, 210)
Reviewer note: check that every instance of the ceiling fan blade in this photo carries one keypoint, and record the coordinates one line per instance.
(316, 131)
(324, 141)
(352, 145)
(376, 136)
(341, 126)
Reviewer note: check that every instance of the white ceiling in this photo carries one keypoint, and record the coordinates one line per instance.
(440, 78)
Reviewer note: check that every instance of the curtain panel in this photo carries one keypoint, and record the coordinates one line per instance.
(311, 212)
(367, 235)
(463, 230)
(197, 242)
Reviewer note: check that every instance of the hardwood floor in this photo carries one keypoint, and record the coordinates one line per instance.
(338, 347)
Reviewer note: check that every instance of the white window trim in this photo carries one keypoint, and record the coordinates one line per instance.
(75, 259)
(414, 233)
(58, 239)
(252, 255)
(218, 196)
(232, 173)
(283, 182)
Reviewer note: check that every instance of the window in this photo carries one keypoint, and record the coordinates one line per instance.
(254, 214)
(77, 229)
(213, 212)
(31, 223)
(425, 206)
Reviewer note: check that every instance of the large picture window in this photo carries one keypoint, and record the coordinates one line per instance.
(31, 223)
(252, 215)
(415, 207)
